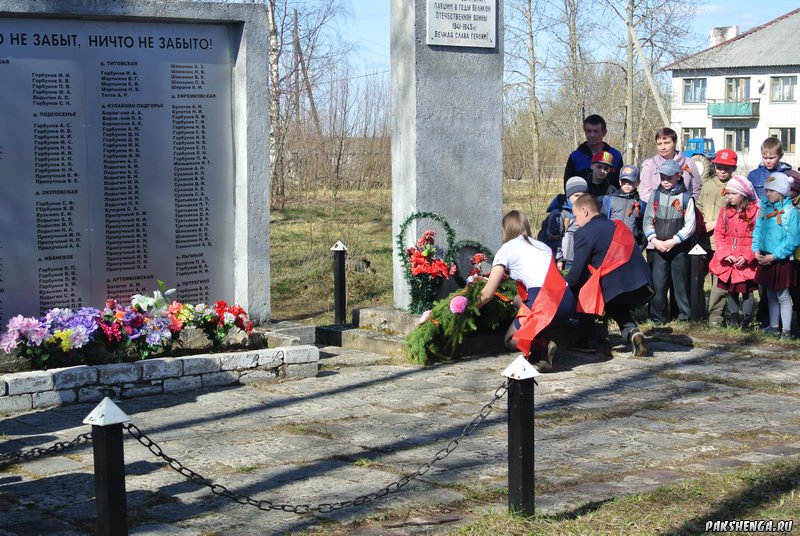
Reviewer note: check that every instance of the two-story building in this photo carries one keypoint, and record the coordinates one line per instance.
(742, 90)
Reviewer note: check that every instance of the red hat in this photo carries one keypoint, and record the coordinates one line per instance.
(725, 157)
(603, 157)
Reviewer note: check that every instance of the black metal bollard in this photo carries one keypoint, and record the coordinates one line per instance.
(520, 437)
(697, 296)
(339, 283)
(109, 468)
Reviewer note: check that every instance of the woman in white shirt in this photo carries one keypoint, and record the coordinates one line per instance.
(543, 296)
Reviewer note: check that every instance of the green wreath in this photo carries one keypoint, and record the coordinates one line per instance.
(450, 238)
(461, 244)
(423, 288)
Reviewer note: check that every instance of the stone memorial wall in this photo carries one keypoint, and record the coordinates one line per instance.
(118, 162)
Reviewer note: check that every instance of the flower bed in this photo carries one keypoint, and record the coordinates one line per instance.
(148, 327)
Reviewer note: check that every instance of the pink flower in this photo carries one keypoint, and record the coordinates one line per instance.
(424, 317)
(458, 304)
(9, 341)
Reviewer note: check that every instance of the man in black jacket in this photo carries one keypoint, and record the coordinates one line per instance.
(579, 162)
(615, 259)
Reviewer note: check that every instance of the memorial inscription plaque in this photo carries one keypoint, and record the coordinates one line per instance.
(116, 162)
(461, 23)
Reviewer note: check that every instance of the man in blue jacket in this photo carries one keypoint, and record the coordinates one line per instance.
(579, 162)
(625, 286)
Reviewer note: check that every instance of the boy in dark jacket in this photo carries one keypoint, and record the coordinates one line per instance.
(624, 205)
(609, 274)
(598, 178)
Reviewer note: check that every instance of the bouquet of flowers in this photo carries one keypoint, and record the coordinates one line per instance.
(147, 326)
(443, 328)
(426, 271)
(217, 320)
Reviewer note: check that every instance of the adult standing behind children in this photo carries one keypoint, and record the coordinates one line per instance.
(609, 274)
(667, 147)
(713, 199)
(669, 222)
(579, 162)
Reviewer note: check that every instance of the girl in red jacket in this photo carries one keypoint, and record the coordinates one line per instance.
(734, 262)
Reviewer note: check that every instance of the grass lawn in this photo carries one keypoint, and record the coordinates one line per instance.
(680, 509)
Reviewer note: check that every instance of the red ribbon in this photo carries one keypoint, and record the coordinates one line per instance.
(590, 297)
(774, 213)
(534, 319)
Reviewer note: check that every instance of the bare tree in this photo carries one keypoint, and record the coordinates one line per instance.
(523, 24)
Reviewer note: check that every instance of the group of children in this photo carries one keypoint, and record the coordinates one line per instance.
(749, 226)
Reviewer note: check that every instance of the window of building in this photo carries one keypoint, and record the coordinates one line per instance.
(737, 89)
(787, 137)
(688, 133)
(738, 139)
(694, 90)
(782, 88)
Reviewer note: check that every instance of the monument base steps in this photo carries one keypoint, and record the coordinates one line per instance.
(381, 330)
(286, 333)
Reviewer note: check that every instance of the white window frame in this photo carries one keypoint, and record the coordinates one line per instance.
(692, 84)
(737, 139)
(687, 133)
(738, 87)
(780, 83)
(787, 136)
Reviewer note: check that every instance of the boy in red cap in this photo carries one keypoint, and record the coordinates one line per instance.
(712, 199)
(599, 181)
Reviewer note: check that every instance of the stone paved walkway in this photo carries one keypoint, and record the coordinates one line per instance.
(604, 427)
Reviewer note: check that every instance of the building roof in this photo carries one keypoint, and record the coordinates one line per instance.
(774, 43)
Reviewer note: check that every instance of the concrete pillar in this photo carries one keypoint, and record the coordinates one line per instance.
(446, 108)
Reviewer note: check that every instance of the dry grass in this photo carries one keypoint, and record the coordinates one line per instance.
(302, 234)
(302, 264)
(681, 508)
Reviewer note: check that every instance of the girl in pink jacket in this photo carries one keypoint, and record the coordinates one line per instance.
(734, 262)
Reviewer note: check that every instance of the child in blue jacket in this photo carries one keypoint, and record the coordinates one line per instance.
(775, 237)
(771, 154)
(558, 228)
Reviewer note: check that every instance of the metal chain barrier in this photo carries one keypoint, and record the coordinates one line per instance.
(265, 505)
(37, 452)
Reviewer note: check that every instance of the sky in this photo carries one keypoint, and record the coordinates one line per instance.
(367, 26)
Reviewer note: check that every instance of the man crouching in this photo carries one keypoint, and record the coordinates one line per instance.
(609, 274)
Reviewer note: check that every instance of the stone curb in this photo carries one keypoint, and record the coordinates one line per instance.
(25, 391)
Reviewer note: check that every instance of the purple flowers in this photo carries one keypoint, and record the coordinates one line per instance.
(85, 317)
(458, 305)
